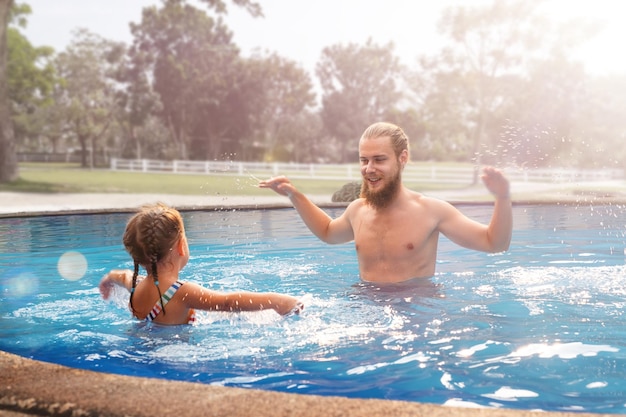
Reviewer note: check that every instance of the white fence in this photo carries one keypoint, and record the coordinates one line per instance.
(421, 172)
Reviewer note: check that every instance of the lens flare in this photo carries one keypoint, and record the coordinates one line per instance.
(72, 266)
(18, 284)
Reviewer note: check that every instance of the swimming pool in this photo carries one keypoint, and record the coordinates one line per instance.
(538, 327)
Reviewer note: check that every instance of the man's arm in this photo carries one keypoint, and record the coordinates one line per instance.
(500, 228)
(494, 237)
(327, 229)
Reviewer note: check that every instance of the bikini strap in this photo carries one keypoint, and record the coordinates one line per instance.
(158, 307)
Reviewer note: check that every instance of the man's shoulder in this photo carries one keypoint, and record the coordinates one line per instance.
(425, 201)
(415, 197)
(356, 204)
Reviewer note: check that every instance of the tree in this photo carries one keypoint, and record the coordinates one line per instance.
(220, 6)
(489, 45)
(30, 72)
(305, 130)
(86, 68)
(136, 104)
(8, 158)
(45, 128)
(359, 85)
(31, 79)
(599, 130)
(538, 124)
(443, 116)
(480, 77)
(284, 94)
(192, 62)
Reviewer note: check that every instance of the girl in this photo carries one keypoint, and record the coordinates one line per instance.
(155, 239)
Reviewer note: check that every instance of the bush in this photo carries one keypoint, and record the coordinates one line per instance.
(347, 193)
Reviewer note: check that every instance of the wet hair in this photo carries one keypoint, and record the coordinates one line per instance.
(399, 140)
(149, 237)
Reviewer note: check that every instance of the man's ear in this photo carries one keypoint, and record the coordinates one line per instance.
(404, 157)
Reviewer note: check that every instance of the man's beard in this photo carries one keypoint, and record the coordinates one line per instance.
(383, 197)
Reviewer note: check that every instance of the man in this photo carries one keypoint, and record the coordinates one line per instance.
(396, 230)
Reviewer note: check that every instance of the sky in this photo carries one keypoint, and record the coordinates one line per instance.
(300, 29)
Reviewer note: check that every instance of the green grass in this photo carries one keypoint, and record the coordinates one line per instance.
(54, 178)
(71, 178)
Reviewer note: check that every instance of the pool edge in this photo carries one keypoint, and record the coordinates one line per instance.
(24, 213)
(31, 387)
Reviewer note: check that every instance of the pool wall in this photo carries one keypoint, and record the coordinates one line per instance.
(29, 387)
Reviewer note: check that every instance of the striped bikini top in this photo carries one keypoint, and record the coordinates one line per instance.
(167, 296)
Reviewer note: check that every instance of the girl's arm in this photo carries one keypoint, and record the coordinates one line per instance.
(119, 277)
(195, 296)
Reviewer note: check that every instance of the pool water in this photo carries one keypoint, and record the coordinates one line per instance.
(539, 327)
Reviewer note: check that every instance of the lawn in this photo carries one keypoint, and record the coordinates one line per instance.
(52, 177)
(71, 178)
(47, 177)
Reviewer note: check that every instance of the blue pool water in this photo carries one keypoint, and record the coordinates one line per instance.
(538, 327)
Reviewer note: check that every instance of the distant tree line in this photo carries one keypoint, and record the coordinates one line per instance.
(501, 91)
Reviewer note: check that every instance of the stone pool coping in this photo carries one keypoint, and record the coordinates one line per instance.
(29, 387)
(16, 204)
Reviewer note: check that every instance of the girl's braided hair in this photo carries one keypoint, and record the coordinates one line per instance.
(149, 237)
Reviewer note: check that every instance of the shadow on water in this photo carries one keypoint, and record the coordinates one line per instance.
(414, 291)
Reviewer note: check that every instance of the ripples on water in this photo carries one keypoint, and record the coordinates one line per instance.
(538, 327)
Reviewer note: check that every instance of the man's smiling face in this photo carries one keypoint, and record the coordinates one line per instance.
(380, 169)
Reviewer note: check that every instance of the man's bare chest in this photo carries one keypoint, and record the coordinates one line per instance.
(392, 234)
